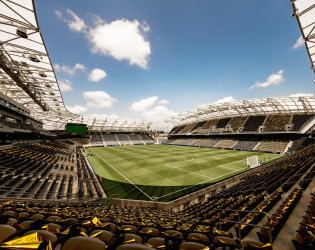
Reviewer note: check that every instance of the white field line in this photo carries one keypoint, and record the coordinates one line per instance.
(123, 176)
(199, 183)
(211, 179)
(197, 158)
(276, 157)
(169, 165)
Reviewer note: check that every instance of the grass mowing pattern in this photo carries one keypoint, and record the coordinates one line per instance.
(164, 172)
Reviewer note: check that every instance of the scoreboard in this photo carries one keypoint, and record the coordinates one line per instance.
(76, 128)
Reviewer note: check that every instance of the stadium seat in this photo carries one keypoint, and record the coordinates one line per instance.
(150, 231)
(23, 215)
(54, 218)
(132, 238)
(198, 237)
(44, 234)
(158, 242)
(54, 228)
(10, 213)
(251, 245)
(129, 228)
(106, 235)
(6, 231)
(26, 224)
(12, 221)
(83, 243)
(225, 242)
(37, 216)
(193, 246)
(134, 246)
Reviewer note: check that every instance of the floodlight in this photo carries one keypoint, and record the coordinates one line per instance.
(42, 74)
(33, 58)
(21, 32)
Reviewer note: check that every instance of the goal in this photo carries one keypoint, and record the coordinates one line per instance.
(252, 162)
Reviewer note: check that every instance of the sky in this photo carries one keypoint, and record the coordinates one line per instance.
(151, 59)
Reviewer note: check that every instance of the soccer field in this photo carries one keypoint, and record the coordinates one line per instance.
(164, 172)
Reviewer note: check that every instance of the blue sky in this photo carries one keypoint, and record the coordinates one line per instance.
(150, 59)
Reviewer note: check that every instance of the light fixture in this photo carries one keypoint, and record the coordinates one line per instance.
(21, 32)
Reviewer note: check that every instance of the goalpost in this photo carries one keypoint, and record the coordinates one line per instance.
(252, 162)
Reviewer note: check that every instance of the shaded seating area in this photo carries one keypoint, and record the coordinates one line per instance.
(253, 123)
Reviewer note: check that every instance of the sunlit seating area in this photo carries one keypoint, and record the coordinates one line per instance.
(278, 146)
(226, 143)
(277, 122)
(187, 128)
(211, 223)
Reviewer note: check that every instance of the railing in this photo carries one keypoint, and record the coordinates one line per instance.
(16, 195)
(239, 222)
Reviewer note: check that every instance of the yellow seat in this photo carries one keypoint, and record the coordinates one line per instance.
(157, 242)
(150, 231)
(106, 235)
(129, 228)
(132, 238)
(52, 227)
(198, 237)
(44, 234)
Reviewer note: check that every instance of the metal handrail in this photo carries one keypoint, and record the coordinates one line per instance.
(239, 222)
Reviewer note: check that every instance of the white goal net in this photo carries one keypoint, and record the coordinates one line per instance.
(252, 161)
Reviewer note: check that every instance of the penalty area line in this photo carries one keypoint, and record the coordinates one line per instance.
(123, 176)
(199, 183)
(169, 165)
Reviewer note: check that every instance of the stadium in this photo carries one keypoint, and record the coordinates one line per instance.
(237, 174)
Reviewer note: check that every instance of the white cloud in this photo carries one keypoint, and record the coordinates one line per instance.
(80, 66)
(77, 109)
(96, 75)
(65, 85)
(143, 104)
(69, 70)
(58, 14)
(76, 23)
(299, 42)
(98, 99)
(164, 102)
(273, 79)
(57, 67)
(148, 110)
(302, 94)
(122, 39)
(225, 99)
(157, 115)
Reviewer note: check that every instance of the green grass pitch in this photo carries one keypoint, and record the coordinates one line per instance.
(164, 172)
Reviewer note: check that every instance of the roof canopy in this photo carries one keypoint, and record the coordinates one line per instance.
(304, 11)
(27, 75)
(263, 106)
